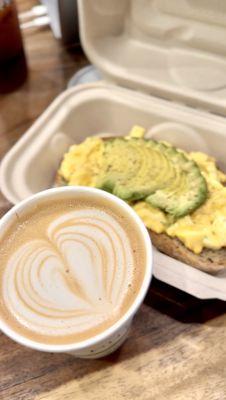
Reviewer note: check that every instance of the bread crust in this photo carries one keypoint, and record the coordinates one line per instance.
(59, 181)
(208, 260)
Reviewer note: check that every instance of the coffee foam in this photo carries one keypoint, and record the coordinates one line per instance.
(69, 271)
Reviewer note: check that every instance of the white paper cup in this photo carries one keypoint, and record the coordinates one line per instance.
(109, 340)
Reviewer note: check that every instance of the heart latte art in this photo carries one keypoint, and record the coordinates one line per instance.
(69, 272)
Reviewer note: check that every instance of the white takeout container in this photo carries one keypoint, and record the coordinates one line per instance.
(170, 49)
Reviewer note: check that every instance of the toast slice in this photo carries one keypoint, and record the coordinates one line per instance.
(211, 261)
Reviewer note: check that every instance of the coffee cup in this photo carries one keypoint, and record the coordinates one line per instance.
(76, 266)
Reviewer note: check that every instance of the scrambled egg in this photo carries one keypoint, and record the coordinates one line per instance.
(83, 162)
(205, 227)
(136, 132)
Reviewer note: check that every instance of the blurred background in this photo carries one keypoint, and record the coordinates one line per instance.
(39, 53)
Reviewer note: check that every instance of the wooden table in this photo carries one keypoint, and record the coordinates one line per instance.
(177, 346)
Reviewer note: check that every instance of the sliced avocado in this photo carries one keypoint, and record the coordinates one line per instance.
(189, 187)
(145, 169)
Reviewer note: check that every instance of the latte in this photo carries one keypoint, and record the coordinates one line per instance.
(69, 270)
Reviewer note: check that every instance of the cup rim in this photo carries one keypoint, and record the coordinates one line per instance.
(81, 345)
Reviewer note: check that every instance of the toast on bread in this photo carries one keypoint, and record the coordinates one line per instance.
(208, 260)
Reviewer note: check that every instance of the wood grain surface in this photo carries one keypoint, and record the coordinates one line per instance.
(177, 345)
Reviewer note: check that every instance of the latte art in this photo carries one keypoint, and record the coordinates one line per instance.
(73, 279)
(74, 276)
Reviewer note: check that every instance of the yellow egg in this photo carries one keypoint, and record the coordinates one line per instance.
(136, 132)
(153, 218)
(83, 162)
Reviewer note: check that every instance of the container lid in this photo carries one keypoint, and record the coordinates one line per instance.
(174, 49)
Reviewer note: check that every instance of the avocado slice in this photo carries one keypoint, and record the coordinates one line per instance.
(186, 193)
(140, 168)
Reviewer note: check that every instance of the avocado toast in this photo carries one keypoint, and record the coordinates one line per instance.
(180, 196)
